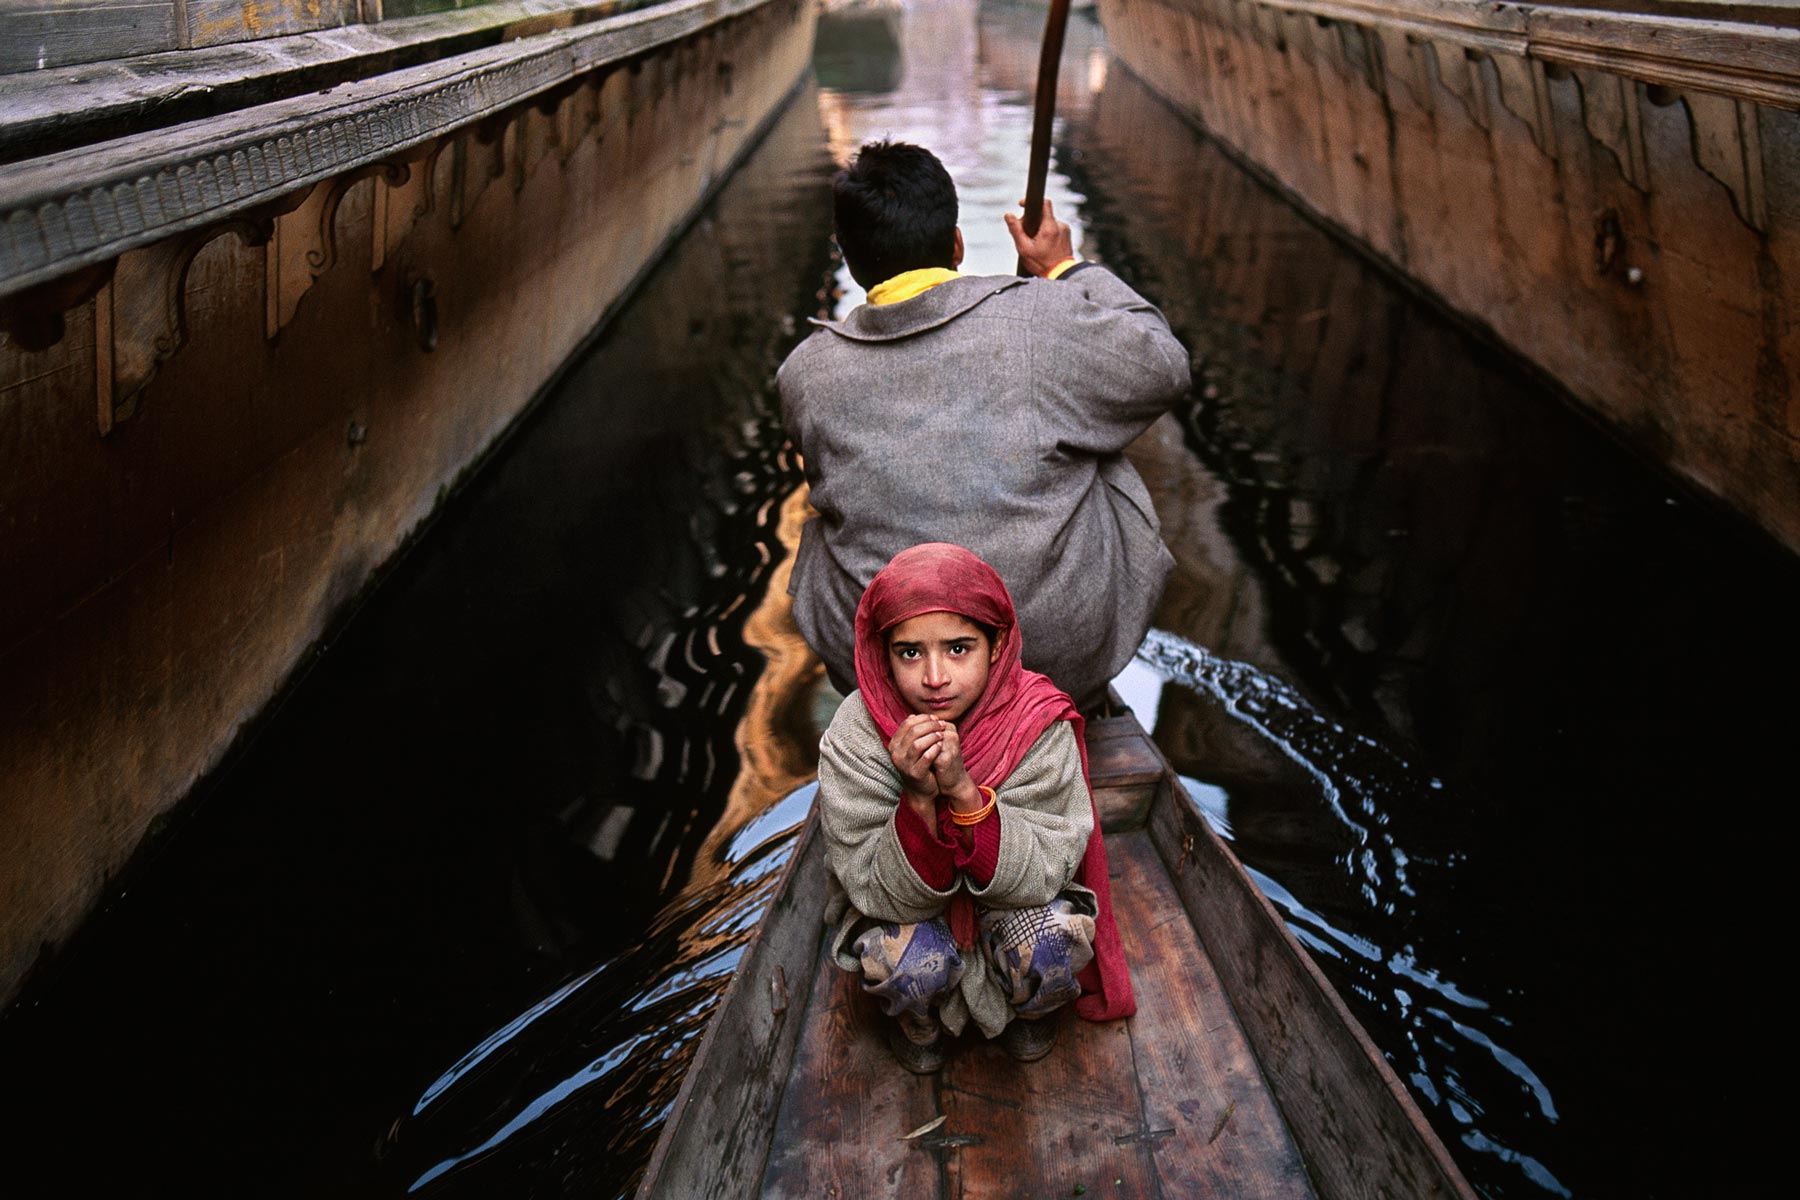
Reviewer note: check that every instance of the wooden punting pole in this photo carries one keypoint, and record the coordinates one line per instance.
(1048, 61)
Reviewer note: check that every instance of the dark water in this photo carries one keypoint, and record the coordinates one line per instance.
(1492, 710)
(507, 801)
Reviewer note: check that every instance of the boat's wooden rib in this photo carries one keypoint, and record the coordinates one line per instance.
(1243, 1074)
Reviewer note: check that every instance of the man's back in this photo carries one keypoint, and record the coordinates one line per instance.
(990, 411)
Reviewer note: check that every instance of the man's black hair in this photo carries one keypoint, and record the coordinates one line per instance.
(894, 208)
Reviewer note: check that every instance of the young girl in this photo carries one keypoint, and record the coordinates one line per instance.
(968, 876)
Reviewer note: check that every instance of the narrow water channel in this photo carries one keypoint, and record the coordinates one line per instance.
(1491, 709)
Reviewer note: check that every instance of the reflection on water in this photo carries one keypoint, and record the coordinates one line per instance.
(1461, 670)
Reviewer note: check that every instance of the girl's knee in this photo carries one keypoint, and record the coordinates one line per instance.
(909, 968)
(1038, 952)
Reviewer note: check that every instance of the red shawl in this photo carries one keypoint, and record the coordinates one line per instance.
(1014, 711)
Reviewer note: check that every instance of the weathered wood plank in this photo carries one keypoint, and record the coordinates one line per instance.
(1745, 62)
(1358, 1130)
(723, 1115)
(1748, 59)
(219, 22)
(849, 1104)
(1124, 769)
(35, 34)
(65, 211)
(56, 109)
(1210, 1120)
(1041, 1128)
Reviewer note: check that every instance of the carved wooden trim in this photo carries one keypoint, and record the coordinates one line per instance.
(400, 206)
(1459, 73)
(1728, 146)
(1609, 109)
(1427, 45)
(33, 319)
(1746, 61)
(304, 245)
(1400, 63)
(1525, 93)
(140, 316)
(66, 211)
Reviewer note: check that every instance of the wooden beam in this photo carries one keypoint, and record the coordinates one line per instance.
(35, 34)
(725, 1112)
(1747, 60)
(58, 109)
(66, 211)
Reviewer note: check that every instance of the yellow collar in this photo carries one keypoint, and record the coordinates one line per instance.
(908, 284)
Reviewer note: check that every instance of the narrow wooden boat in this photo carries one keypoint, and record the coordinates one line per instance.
(1242, 1075)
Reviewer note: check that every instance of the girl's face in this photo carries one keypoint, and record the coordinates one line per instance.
(940, 663)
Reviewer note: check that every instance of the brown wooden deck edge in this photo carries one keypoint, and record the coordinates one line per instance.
(715, 1143)
(71, 210)
(1345, 1106)
(60, 107)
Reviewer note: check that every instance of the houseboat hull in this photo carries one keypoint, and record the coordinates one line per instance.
(1613, 195)
(215, 430)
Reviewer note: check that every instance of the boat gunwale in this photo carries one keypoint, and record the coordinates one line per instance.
(1189, 836)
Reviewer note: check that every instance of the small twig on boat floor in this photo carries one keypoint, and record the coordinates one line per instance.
(1220, 1127)
(927, 1127)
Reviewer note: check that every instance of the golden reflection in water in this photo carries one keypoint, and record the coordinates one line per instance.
(777, 741)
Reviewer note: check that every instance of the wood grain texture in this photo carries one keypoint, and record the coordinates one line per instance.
(1041, 1128)
(1358, 1130)
(240, 445)
(36, 34)
(220, 22)
(1124, 769)
(56, 109)
(1750, 60)
(1209, 1119)
(848, 1105)
(720, 1124)
(1680, 346)
(65, 211)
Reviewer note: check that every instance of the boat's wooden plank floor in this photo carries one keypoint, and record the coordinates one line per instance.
(1169, 1103)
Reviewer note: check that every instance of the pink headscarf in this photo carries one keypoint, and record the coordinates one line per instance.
(1014, 711)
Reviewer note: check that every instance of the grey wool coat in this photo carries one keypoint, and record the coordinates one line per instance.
(990, 411)
(1046, 818)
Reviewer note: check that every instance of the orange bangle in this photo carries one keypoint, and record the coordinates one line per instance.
(979, 815)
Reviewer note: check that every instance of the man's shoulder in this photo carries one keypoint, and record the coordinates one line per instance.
(798, 359)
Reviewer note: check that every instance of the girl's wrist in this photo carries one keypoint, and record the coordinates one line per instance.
(925, 807)
(967, 798)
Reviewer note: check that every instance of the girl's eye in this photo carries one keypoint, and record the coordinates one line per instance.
(958, 651)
